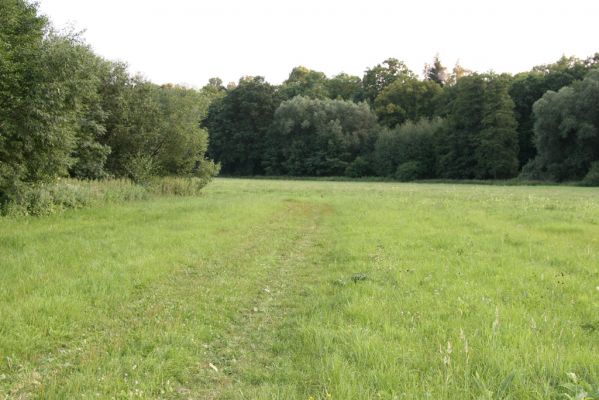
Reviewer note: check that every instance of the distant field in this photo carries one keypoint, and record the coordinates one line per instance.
(264, 289)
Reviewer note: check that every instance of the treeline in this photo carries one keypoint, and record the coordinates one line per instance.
(542, 124)
(64, 111)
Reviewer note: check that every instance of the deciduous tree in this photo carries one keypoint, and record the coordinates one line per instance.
(567, 131)
(238, 123)
(382, 75)
(409, 99)
(315, 137)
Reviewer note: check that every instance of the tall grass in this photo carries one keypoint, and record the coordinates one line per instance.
(46, 199)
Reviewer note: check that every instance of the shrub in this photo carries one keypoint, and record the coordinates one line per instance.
(592, 177)
(35, 200)
(412, 141)
(45, 199)
(408, 171)
(176, 186)
(39, 201)
(358, 168)
(205, 170)
(532, 171)
(140, 168)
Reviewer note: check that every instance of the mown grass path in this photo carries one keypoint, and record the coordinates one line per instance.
(293, 290)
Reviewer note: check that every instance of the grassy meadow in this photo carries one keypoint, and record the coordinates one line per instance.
(262, 289)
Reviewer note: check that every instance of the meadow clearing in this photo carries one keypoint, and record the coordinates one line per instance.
(261, 289)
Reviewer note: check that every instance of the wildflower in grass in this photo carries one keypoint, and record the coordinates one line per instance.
(464, 339)
(447, 354)
(496, 322)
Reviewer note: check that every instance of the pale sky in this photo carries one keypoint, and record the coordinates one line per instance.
(188, 42)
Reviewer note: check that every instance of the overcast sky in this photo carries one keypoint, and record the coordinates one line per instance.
(188, 42)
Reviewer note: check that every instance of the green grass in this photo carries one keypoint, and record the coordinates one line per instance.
(303, 289)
